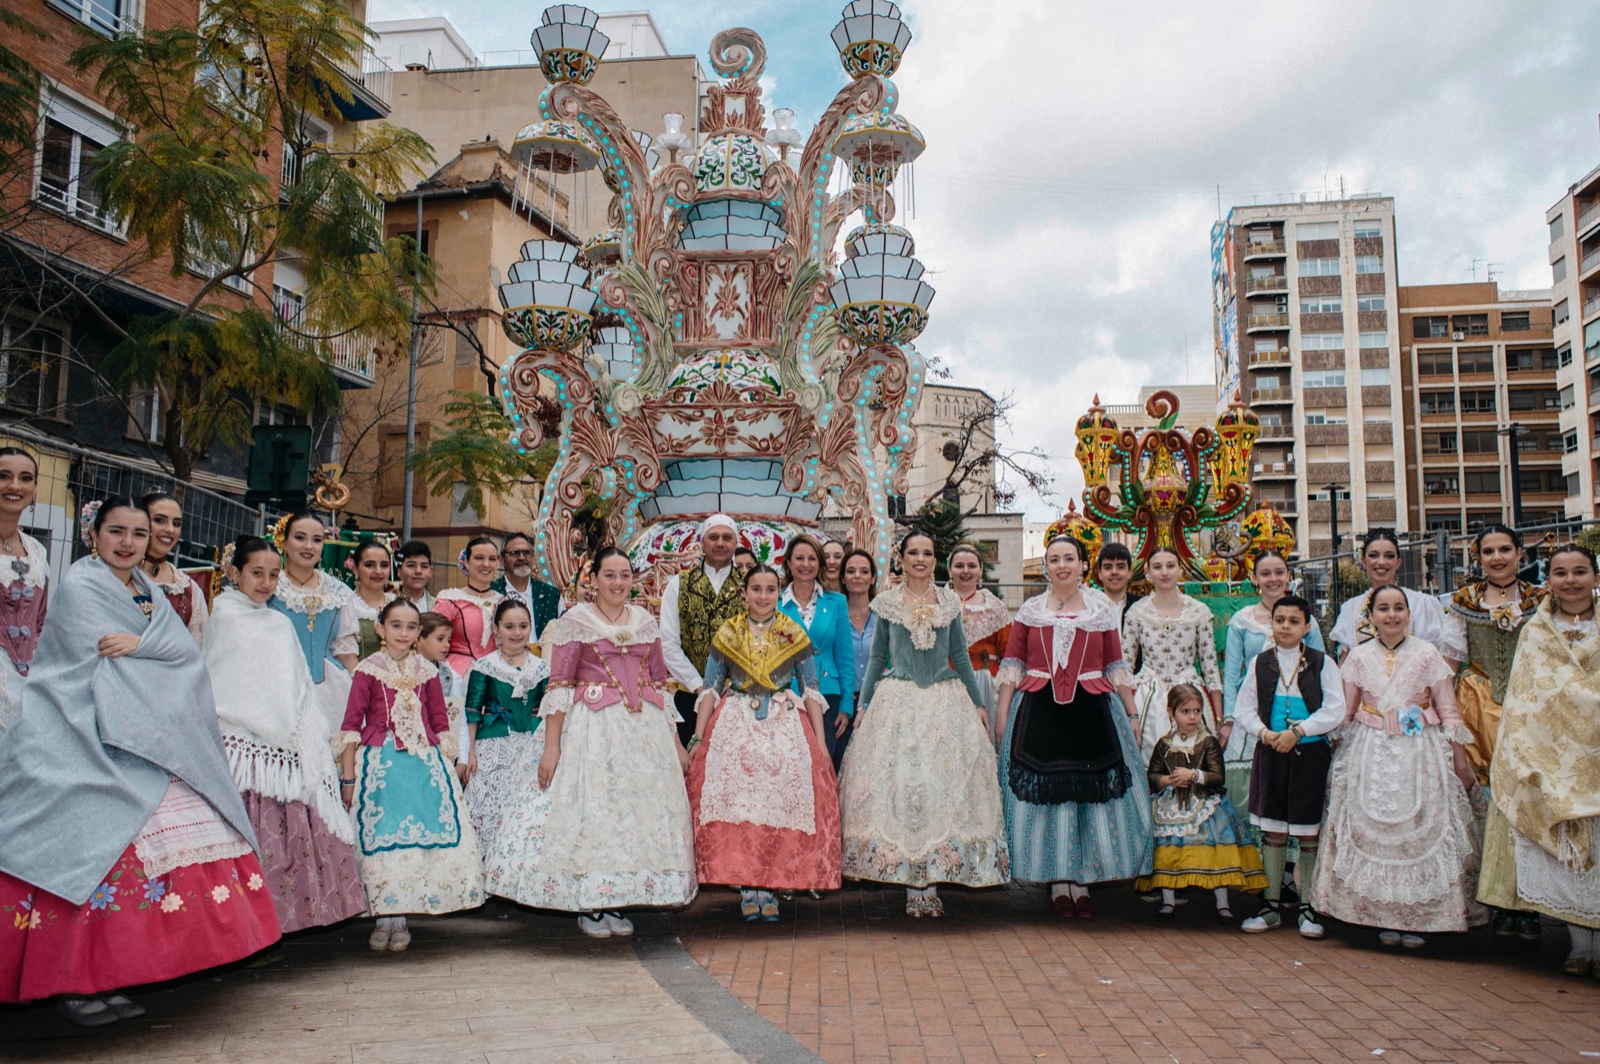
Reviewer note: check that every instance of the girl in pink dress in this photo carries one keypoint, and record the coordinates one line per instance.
(761, 783)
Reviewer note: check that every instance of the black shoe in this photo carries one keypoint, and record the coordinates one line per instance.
(1505, 923)
(1528, 927)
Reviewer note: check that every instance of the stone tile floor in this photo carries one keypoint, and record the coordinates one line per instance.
(852, 979)
(498, 986)
(1000, 979)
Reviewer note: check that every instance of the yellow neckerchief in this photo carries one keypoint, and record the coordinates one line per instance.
(760, 657)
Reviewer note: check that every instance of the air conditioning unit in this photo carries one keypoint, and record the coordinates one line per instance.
(1458, 336)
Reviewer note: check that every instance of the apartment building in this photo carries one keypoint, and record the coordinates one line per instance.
(56, 334)
(1575, 294)
(1479, 369)
(1306, 332)
(492, 96)
(472, 222)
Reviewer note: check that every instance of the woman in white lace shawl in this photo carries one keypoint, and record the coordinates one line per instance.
(1399, 843)
(279, 748)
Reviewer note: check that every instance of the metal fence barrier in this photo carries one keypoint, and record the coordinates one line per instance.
(70, 476)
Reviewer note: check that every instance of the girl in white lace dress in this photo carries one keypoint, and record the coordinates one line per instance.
(1400, 848)
(1167, 639)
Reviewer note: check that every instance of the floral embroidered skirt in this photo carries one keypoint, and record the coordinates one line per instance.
(612, 830)
(1202, 843)
(765, 800)
(417, 850)
(502, 761)
(135, 928)
(919, 792)
(1400, 844)
(312, 874)
(1101, 829)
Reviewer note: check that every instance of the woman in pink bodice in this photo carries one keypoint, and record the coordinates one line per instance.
(602, 822)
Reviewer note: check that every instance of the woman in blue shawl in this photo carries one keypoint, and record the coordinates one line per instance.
(126, 856)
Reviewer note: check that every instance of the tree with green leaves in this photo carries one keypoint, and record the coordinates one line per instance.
(197, 184)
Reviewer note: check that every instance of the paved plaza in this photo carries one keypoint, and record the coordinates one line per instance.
(851, 978)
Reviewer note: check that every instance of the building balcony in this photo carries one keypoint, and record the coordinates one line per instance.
(370, 87)
(1594, 399)
(1278, 432)
(1271, 396)
(1266, 286)
(1591, 307)
(1265, 249)
(1274, 471)
(1278, 357)
(1590, 265)
(1260, 322)
(352, 356)
(1589, 217)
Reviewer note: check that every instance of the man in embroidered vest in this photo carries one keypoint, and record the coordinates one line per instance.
(517, 581)
(693, 606)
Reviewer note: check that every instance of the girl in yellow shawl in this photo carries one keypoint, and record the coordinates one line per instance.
(1543, 835)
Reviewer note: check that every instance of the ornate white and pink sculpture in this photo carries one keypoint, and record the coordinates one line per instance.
(728, 364)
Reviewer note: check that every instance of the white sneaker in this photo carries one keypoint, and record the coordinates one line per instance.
(1389, 938)
(1413, 941)
(379, 939)
(618, 924)
(1309, 928)
(594, 926)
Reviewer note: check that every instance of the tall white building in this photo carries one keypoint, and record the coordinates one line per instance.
(1575, 292)
(1307, 333)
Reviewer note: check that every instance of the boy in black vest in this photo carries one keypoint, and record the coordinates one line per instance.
(1290, 699)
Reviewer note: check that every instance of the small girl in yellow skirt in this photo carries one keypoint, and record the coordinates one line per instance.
(1201, 841)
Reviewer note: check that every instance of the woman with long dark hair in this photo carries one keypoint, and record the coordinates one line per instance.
(166, 529)
(918, 795)
(126, 855)
(24, 580)
(1076, 799)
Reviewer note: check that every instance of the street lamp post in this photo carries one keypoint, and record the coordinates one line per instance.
(1333, 534)
(1513, 431)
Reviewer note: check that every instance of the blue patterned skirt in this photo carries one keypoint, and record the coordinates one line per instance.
(1078, 841)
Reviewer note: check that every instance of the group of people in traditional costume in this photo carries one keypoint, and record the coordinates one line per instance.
(183, 782)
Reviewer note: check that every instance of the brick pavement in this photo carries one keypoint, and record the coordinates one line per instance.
(999, 979)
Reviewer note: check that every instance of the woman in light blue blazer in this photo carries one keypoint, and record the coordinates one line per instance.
(825, 615)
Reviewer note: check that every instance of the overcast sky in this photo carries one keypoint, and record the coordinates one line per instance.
(1077, 153)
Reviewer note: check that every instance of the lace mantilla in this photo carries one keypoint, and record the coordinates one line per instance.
(405, 712)
(1417, 667)
(523, 678)
(584, 624)
(984, 615)
(31, 569)
(918, 618)
(326, 594)
(1099, 615)
(365, 612)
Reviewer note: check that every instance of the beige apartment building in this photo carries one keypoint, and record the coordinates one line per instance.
(483, 100)
(1477, 361)
(1575, 295)
(1307, 333)
(473, 224)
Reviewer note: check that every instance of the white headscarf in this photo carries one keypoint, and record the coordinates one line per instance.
(719, 521)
